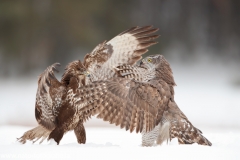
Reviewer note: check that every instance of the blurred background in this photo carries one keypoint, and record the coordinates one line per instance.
(200, 39)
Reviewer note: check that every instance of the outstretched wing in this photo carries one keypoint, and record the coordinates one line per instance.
(126, 48)
(48, 98)
(123, 102)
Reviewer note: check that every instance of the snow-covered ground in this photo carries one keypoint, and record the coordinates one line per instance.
(205, 93)
(114, 143)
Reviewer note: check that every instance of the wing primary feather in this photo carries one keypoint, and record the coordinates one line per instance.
(129, 30)
(147, 38)
(55, 70)
(137, 121)
(146, 44)
(141, 123)
(140, 30)
(150, 31)
(133, 118)
(140, 52)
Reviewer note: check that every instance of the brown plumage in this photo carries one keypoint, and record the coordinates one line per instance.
(181, 127)
(130, 104)
(124, 102)
(139, 98)
(156, 70)
(51, 97)
(61, 114)
(126, 48)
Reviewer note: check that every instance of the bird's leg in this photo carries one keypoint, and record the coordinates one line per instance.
(80, 133)
(56, 134)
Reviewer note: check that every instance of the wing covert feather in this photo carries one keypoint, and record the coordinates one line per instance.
(124, 102)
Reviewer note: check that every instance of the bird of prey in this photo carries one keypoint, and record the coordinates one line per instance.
(51, 97)
(141, 99)
(155, 70)
(56, 110)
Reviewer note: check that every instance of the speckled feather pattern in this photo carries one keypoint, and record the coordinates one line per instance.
(139, 98)
(174, 124)
(124, 49)
(54, 97)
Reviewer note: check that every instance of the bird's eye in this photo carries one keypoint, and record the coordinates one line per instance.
(149, 60)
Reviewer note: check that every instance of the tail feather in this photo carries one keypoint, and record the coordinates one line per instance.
(188, 135)
(182, 128)
(34, 135)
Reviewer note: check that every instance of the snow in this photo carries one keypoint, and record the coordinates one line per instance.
(114, 143)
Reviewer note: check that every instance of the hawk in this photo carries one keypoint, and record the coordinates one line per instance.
(141, 99)
(56, 110)
(51, 97)
(174, 124)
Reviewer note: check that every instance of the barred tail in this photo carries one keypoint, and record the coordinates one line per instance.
(188, 135)
(34, 135)
(182, 128)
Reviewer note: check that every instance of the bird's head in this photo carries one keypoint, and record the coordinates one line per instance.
(160, 65)
(151, 62)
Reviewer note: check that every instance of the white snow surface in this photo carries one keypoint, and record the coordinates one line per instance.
(113, 143)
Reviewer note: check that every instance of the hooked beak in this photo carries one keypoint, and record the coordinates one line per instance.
(87, 74)
(143, 65)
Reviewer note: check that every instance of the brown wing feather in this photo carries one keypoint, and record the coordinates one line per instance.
(48, 98)
(122, 102)
(126, 48)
